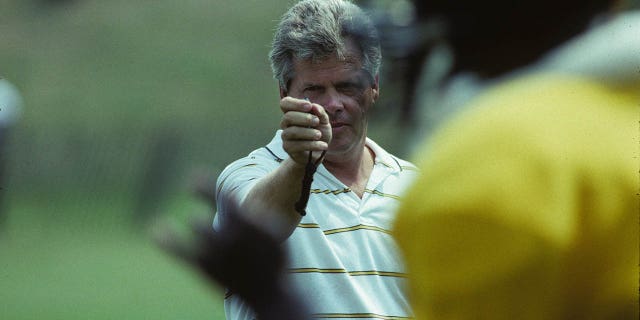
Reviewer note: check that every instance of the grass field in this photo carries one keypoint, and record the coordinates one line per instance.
(73, 259)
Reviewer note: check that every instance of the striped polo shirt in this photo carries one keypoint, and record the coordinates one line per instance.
(342, 258)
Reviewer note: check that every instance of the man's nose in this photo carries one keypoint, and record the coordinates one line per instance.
(333, 101)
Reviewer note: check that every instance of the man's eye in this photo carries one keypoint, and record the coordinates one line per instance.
(312, 88)
(350, 89)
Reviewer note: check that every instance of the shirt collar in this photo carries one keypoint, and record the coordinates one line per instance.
(275, 147)
(383, 157)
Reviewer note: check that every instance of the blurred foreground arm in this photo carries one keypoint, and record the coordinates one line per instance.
(244, 259)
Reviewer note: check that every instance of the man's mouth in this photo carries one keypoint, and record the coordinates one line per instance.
(337, 124)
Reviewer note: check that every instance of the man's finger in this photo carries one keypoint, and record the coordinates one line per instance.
(302, 146)
(300, 119)
(301, 133)
(293, 104)
(318, 111)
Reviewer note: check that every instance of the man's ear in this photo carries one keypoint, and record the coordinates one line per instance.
(283, 92)
(376, 88)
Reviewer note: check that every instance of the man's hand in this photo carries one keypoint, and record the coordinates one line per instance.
(306, 127)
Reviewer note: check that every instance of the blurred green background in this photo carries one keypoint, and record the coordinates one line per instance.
(124, 102)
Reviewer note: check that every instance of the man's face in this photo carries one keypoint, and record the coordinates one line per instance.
(346, 92)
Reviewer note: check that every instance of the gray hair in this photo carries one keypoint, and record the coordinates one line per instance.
(315, 29)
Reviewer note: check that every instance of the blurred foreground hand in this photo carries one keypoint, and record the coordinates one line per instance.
(241, 258)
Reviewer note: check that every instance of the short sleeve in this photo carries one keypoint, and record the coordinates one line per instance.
(237, 179)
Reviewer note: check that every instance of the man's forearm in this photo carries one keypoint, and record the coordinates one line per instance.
(270, 203)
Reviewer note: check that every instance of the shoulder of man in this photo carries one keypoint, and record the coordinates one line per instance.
(390, 160)
(257, 162)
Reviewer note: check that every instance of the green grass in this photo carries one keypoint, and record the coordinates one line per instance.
(71, 259)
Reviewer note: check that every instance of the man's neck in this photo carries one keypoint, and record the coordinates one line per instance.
(352, 169)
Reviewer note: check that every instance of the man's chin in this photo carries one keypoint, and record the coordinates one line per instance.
(339, 130)
(338, 149)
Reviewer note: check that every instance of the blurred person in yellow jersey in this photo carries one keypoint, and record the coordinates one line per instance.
(528, 204)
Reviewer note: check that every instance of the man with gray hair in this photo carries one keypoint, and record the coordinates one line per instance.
(335, 225)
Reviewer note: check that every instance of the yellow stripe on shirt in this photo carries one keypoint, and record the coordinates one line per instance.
(350, 273)
(358, 227)
(356, 316)
(345, 229)
(378, 193)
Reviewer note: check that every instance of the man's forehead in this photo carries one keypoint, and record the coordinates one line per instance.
(331, 61)
(349, 54)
